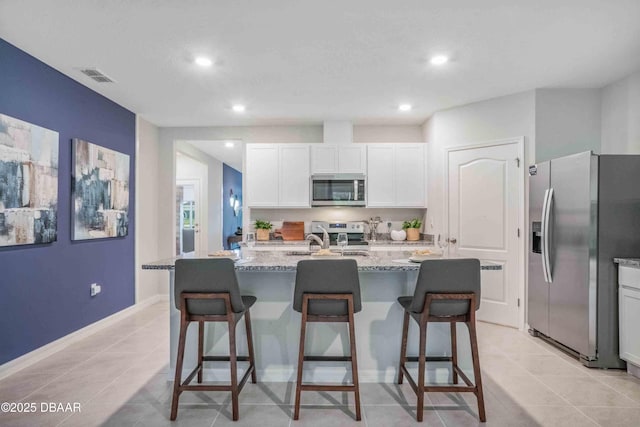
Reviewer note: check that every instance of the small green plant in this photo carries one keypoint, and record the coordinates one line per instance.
(263, 225)
(414, 223)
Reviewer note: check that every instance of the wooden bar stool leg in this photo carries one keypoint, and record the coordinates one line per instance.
(354, 359)
(476, 367)
(454, 352)
(179, 362)
(403, 346)
(252, 361)
(234, 368)
(303, 327)
(421, 370)
(200, 349)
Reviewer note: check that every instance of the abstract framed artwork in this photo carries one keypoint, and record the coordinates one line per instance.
(100, 192)
(28, 183)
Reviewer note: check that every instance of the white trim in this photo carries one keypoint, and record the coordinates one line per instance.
(47, 350)
(520, 141)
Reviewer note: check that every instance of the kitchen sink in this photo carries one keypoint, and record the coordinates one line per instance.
(346, 253)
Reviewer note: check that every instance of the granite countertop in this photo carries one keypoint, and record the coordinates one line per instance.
(629, 262)
(279, 242)
(279, 261)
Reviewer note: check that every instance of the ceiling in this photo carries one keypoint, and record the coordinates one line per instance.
(232, 156)
(301, 61)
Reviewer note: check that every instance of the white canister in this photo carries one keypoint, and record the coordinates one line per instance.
(398, 235)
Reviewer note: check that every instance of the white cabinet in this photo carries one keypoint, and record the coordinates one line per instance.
(396, 175)
(277, 175)
(629, 312)
(328, 158)
(294, 175)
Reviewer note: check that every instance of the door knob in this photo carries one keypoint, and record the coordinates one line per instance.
(452, 241)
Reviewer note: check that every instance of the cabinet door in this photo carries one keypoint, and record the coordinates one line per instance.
(294, 176)
(380, 175)
(351, 159)
(409, 175)
(629, 301)
(262, 175)
(324, 158)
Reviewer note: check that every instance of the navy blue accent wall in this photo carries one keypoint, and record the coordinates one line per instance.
(44, 289)
(231, 180)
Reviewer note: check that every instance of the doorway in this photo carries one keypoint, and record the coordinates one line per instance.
(485, 212)
(191, 177)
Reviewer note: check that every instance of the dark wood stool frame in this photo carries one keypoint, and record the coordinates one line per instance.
(231, 319)
(470, 319)
(352, 344)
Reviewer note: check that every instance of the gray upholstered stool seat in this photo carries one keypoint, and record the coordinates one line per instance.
(327, 291)
(446, 291)
(206, 290)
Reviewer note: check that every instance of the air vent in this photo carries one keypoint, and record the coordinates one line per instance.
(96, 75)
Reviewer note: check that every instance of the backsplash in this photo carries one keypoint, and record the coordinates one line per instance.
(339, 214)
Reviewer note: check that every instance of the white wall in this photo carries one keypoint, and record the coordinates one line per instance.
(567, 122)
(493, 119)
(211, 196)
(148, 282)
(387, 133)
(621, 116)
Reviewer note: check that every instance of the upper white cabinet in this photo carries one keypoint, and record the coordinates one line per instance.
(277, 175)
(294, 175)
(396, 175)
(329, 158)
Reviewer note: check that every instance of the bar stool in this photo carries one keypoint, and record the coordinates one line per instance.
(446, 291)
(327, 291)
(206, 290)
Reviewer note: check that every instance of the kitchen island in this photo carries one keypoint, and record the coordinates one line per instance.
(270, 276)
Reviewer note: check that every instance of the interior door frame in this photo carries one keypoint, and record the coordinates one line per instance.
(519, 142)
(197, 184)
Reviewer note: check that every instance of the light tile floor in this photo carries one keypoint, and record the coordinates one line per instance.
(118, 376)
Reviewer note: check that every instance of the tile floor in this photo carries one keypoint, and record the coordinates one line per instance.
(118, 376)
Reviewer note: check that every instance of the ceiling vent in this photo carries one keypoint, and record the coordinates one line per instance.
(96, 75)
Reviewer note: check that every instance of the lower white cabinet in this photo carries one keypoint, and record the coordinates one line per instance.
(629, 311)
(277, 175)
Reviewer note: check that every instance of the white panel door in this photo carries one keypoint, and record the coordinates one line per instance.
(262, 175)
(294, 176)
(484, 203)
(409, 175)
(380, 175)
(324, 158)
(351, 158)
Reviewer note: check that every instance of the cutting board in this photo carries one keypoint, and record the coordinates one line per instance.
(291, 230)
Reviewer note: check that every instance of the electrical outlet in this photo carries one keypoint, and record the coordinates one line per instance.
(95, 289)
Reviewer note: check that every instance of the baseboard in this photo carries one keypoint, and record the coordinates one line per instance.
(47, 350)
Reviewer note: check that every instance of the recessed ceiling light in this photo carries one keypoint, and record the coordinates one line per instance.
(238, 108)
(229, 144)
(439, 60)
(404, 107)
(203, 61)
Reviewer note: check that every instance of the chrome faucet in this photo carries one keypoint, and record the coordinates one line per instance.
(324, 243)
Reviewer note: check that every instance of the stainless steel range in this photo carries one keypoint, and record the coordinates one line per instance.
(354, 230)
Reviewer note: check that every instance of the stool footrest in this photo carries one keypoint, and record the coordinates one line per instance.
(327, 387)
(225, 358)
(430, 359)
(327, 358)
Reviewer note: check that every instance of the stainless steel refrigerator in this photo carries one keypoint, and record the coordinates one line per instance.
(584, 210)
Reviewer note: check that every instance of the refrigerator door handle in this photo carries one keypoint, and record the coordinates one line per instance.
(546, 238)
(543, 232)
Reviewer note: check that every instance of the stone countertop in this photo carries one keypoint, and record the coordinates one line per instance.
(278, 242)
(264, 261)
(628, 262)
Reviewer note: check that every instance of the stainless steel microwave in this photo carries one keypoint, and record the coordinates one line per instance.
(338, 190)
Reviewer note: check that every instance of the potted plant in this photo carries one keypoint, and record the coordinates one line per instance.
(412, 227)
(262, 229)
